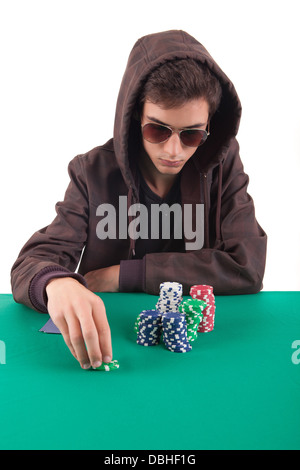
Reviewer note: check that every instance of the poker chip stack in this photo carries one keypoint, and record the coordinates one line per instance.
(170, 297)
(175, 332)
(175, 321)
(205, 293)
(193, 311)
(148, 327)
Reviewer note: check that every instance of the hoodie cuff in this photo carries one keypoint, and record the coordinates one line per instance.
(37, 289)
(132, 275)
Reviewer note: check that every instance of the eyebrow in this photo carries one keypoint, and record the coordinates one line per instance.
(200, 124)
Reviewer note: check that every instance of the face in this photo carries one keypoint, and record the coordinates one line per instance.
(169, 157)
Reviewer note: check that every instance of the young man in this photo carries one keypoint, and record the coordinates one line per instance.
(174, 157)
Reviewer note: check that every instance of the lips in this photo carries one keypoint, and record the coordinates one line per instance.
(170, 163)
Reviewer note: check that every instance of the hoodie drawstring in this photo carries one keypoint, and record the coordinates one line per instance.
(218, 208)
(219, 198)
(206, 220)
(131, 238)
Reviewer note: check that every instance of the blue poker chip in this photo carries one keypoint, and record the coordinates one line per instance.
(165, 323)
(149, 328)
(175, 332)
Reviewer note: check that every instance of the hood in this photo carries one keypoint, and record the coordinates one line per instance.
(149, 52)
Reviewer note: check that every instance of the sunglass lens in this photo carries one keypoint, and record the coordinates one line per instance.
(193, 137)
(155, 133)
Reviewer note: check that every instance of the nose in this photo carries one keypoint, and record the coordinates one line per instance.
(173, 145)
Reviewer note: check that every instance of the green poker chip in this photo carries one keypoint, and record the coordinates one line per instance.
(137, 323)
(108, 366)
(193, 310)
(192, 305)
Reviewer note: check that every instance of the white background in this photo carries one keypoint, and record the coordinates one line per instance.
(61, 66)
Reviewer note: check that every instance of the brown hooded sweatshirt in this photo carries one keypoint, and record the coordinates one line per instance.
(232, 258)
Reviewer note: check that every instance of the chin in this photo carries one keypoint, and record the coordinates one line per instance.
(172, 171)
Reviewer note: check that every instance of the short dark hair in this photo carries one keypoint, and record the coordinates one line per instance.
(178, 81)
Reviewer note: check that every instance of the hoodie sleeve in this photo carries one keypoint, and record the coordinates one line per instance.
(53, 251)
(235, 263)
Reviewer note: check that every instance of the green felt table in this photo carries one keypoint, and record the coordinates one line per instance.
(239, 387)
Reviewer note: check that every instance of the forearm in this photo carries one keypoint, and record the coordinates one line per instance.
(238, 268)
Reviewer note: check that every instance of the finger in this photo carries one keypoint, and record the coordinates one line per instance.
(103, 329)
(77, 341)
(91, 339)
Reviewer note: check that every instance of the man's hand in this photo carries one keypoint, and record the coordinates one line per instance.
(81, 318)
(104, 280)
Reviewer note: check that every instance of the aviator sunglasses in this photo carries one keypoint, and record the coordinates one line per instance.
(159, 133)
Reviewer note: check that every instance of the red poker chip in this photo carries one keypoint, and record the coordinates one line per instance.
(206, 326)
(209, 308)
(205, 330)
(206, 298)
(199, 286)
(208, 320)
(199, 294)
(203, 287)
(205, 292)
